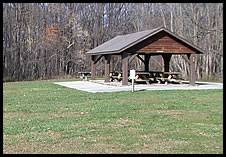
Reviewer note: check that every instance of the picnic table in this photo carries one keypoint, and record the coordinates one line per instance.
(115, 76)
(142, 76)
(158, 76)
(84, 75)
(150, 76)
(166, 77)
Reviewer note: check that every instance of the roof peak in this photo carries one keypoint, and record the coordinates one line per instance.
(122, 42)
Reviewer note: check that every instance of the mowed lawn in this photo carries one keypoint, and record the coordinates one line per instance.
(41, 117)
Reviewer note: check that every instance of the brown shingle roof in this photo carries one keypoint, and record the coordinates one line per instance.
(123, 42)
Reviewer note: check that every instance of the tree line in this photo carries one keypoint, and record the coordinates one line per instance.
(45, 40)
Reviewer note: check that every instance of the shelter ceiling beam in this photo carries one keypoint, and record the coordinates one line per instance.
(97, 59)
(140, 58)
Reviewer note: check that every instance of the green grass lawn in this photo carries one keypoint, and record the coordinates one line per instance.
(41, 117)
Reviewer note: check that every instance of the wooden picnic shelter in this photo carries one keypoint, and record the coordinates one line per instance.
(158, 41)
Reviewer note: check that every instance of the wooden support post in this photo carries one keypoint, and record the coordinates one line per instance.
(146, 62)
(93, 68)
(125, 68)
(192, 69)
(107, 68)
(166, 58)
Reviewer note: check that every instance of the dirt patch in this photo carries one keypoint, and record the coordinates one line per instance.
(62, 115)
(126, 122)
(156, 145)
(167, 112)
(9, 115)
(170, 112)
(149, 136)
(33, 143)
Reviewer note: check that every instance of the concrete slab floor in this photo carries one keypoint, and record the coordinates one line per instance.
(99, 86)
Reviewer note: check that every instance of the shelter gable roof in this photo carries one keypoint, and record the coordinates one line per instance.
(123, 42)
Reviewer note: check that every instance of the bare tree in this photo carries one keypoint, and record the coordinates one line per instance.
(44, 40)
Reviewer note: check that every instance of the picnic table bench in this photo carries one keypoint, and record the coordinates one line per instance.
(142, 76)
(150, 76)
(157, 76)
(165, 77)
(115, 76)
(84, 75)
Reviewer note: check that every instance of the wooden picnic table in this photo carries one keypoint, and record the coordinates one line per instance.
(148, 76)
(171, 75)
(142, 76)
(157, 76)
(84, 75)
(165, 77)
(115, 75)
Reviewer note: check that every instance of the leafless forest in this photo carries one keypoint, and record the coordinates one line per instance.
(47, 40)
